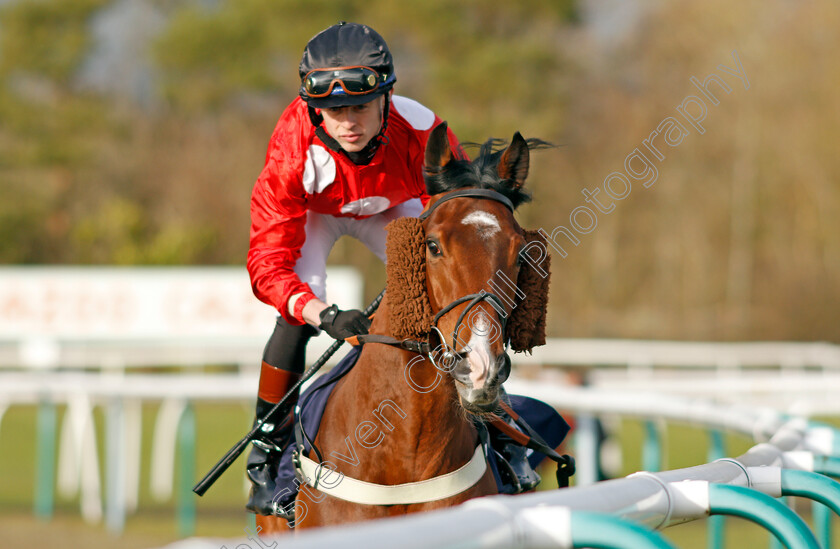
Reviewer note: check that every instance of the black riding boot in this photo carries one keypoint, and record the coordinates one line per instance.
(283, 363)
(517, 474)
(265, 454)
(517, 457)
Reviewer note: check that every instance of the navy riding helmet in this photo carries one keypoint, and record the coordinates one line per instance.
(346, 64)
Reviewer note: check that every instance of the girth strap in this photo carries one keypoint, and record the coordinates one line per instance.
(368, 493)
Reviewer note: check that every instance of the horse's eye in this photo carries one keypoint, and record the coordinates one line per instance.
(434, 249)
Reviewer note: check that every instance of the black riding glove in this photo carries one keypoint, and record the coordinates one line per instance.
(343, 324)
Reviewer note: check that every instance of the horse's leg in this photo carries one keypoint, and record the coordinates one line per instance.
(272, 526)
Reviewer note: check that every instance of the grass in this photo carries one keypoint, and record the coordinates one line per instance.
(220, 512)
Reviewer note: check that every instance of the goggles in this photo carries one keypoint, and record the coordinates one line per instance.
(351, 81)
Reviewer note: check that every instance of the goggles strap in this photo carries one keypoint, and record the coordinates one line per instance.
(314, 117)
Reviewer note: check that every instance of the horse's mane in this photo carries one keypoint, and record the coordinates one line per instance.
(481, 172)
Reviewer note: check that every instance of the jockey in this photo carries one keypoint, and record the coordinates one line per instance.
(345, 158)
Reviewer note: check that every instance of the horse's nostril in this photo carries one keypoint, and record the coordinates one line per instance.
(503, 364)
(461, 371)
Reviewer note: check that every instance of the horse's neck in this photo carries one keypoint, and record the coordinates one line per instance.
(434, 423)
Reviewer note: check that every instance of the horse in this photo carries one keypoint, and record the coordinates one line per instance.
(398, 434)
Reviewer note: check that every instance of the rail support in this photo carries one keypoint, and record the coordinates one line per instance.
(715, 525)
(45, 460)
(824, 491)
(812, 486)
(765, 511)
(602, 531)
(185, 504)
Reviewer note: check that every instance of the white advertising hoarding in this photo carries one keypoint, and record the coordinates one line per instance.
(143, 302)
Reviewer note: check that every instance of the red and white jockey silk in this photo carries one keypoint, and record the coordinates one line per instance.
(301, 173)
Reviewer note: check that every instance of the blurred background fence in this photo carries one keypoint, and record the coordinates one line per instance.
(70, 357)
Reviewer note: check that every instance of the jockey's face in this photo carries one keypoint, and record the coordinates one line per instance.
(353, 127)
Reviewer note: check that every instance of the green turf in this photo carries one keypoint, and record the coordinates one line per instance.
(219, 513)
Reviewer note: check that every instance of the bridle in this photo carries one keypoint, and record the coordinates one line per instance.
(486, 194)
(468, 475)
(449, 355)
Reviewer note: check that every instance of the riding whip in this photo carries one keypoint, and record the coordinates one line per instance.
(226, 461)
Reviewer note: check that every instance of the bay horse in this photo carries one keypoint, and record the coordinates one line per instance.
(406, 412)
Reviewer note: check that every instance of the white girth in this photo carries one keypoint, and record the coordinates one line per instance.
(367, 493)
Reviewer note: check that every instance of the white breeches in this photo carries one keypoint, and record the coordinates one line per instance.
(322, 232)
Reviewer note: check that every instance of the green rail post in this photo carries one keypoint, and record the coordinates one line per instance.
(823, 490)
(602, 531)
(822, 523)
(715, 525)
(186, 472)
(775, 543)
(652, 448)
(45, 460)
(765, 511)
(115, 458)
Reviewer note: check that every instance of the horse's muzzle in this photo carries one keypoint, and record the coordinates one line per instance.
(486, 398)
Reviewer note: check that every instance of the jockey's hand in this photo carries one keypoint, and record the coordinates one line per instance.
(343, 324)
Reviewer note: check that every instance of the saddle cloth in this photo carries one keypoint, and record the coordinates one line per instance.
(540, 416)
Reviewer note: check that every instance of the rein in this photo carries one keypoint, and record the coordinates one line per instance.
(425, 347)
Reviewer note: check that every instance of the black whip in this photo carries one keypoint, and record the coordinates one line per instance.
(226, 461)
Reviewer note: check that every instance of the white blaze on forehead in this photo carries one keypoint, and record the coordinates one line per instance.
(486, 222)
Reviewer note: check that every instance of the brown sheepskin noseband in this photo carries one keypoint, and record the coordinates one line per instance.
(526, 325)
(405, 268)
(411, 314)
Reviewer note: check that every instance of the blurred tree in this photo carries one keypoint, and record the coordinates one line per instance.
(45, 127)
(738, 238)
(47, 38)
(739, 235)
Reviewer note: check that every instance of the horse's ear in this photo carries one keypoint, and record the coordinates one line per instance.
(514, 163)
(526, 324)
(410, 312)
(438, 153)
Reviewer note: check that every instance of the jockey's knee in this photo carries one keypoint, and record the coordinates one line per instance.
(286, 348)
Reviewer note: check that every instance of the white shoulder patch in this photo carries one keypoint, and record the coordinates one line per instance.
(318, 169)
(420, 117)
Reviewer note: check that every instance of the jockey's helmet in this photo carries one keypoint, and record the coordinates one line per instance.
(346, 64)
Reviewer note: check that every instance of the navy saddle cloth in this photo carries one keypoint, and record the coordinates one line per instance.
(313, 401)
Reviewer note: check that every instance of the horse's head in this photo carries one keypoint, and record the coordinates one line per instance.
(463, 274)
